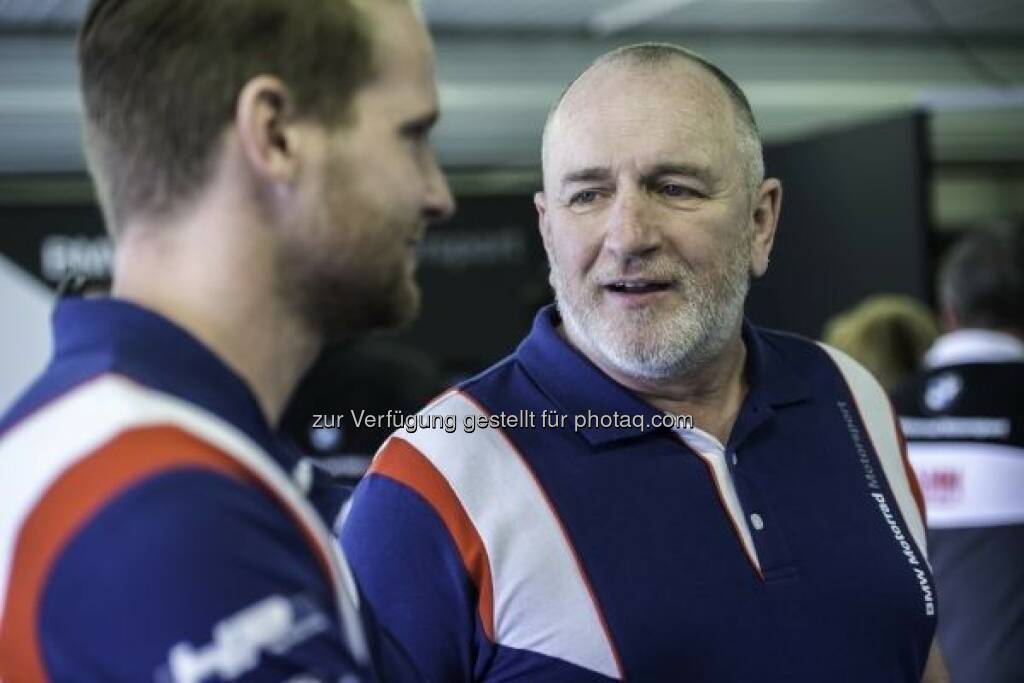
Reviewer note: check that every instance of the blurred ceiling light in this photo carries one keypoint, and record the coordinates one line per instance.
(971, 99)
(632, 14)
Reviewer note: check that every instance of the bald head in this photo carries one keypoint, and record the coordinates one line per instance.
(681, 68)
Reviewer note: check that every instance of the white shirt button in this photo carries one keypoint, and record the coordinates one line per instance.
(756, 521)
(735, 460)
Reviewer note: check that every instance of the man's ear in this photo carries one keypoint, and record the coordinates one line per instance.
(540, 201)
(764, 219)
(264, 122)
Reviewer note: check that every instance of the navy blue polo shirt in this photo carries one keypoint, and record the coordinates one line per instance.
(504, 532)
(151, 528)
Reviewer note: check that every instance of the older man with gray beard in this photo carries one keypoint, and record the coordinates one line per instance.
(775, 536)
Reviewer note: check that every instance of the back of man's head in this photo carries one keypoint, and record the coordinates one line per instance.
(160, 81)
(981, 281)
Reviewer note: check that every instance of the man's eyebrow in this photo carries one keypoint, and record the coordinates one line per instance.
(679, 168)
(601, 173)
(585, 175)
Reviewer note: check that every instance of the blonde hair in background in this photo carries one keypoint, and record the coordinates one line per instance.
(887, 334)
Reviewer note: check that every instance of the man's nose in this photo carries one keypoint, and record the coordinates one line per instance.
(632, 230)
(439, 205)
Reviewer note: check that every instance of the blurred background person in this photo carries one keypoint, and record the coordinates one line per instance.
(964, 419)
(887, 334)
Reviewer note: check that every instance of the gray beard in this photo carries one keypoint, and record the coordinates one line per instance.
(657, 345)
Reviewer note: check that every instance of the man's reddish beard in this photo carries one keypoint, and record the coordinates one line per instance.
(341, 295)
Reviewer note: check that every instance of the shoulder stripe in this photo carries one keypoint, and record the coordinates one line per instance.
(38, 450)
(879, 419)
(543, 600)
(912, 480)
(401, 462)
(71, 500)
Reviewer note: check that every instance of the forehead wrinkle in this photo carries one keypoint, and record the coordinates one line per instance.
(587, 174)
(637, 149)
(629, 100)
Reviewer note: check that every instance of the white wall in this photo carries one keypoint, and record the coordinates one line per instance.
(25, 342)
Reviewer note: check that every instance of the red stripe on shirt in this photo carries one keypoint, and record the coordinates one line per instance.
(915, 485)
(584, 577)
(404, 463)
(67, 506)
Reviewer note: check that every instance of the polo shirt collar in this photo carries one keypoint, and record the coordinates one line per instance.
(579, 388)
(100, 335)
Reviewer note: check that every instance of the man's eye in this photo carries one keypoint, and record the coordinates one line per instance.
(416, 135)
(583, 197)
(676, 191)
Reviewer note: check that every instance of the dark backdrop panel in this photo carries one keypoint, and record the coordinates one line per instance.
(482, 275)
(854, 223)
